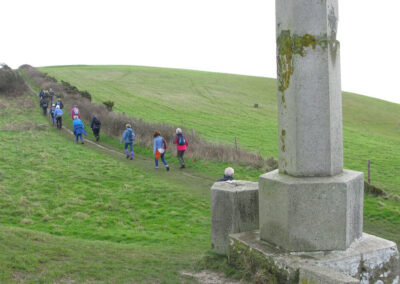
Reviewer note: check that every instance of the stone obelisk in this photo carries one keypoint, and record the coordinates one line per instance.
(310, 203)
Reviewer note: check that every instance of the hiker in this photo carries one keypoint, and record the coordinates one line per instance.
(228, 175)
(46, 94)
(53, 117)
(79, 129)
(128, 137)
(41, 94)
(51, 95)
(44, 104)
(159, 149)
(75, 112)
(95, 125)
(59, 103)
(181, 145)
(58, 113)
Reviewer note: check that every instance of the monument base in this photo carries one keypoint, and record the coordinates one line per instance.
(368, 260)
(311, 213)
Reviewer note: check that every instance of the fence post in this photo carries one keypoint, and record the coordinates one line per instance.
(236, 144)
(369, 171)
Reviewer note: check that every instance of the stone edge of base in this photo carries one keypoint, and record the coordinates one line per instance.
(246, 250)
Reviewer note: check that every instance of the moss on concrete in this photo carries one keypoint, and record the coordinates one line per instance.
(258, 267)
(288, 46)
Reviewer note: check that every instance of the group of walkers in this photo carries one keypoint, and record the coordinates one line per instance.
(56, 113)
(128, 137)
(159, 146)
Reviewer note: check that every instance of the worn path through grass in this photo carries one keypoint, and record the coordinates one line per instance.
(117, 220)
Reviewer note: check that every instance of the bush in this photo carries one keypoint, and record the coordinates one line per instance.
(373, 190)
(272, 164)
(86, 95)
(11, 83)
(109, 105)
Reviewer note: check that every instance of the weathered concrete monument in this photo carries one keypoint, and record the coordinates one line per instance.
(310, 209)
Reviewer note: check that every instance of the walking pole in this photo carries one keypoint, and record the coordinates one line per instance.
(190, 157)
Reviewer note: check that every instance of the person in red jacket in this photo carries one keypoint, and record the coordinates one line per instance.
(181, 146)
(75, 112)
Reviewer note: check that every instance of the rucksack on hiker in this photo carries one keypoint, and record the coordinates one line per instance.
(59, 114)
(76, 111)
(164, 144)
(181, 140)
(97, 123)
(44, 104)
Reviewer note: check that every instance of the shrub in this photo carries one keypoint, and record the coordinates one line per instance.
(372, 189)
(272, 164)
(86, 95)
(11, 83)
(109, 105)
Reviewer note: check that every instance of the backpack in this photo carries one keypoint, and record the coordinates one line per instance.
(59, 114)
(45, 104)
(129, 135)
(97, 122)
(181, 140)
(164, 143)
(76, 111)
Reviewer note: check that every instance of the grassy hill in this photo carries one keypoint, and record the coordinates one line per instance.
(220, 107)
(118, 221)
(80, 213)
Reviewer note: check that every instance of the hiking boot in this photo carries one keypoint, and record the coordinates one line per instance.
(127, 156)
(82, 142)
(183, 166)
(156, 168)
(167, 168)
(131, 158)
(97, 138)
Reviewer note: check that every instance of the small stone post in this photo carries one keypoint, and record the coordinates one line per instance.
(234, 209)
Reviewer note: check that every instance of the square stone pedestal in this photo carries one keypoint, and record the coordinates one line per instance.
(368, 260)
(234, 209)
(311, 213)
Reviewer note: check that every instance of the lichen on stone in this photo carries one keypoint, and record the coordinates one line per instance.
(288, 46)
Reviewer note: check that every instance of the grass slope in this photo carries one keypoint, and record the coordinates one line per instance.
(76, 213)
(220, 107)
(120, 221)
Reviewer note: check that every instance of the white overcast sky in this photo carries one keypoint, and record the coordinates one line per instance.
(230, 36)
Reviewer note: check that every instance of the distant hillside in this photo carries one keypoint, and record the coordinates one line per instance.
(221, 106)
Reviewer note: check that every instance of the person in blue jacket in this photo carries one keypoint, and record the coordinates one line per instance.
(128, 137)
(159, 149)
(79, 129)
(58, 113)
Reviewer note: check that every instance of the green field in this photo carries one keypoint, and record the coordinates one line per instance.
(117, 220)
(79, 213)
(220, 107)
